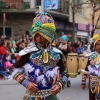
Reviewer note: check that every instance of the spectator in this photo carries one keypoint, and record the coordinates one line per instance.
(3, 50)
(88, 47)
(80, 48)
(63, 45)
(9, 48)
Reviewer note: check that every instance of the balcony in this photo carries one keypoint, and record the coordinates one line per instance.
(14, 5)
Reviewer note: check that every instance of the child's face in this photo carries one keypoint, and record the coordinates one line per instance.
(42, 42)
(97, 46)
(23, 45)
(5, 44)
(63, 42)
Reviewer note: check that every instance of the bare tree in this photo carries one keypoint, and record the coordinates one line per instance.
(95, 4)
(77, 7)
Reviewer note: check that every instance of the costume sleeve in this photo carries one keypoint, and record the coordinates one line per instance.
(84, 75)
(63, 72)
(16, 72)
(90, 62)
(22, 61)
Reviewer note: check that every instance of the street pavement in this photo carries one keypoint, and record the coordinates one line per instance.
(11, 90)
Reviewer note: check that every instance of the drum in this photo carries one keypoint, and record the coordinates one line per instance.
(72, 64)
(82, 61)
(94, 84)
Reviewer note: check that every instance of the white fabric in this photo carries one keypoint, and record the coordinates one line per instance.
(88, 48)
(28, 68)
(57, 50)
(28, 50)
(61, 46)
(15, 70)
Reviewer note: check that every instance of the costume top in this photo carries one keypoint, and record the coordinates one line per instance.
(43, 66)
(94, 67)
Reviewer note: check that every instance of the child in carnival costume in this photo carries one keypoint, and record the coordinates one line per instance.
(93, 69)
(42, 62)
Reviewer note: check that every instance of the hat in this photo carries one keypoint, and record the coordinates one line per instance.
(96, 36)
(64, 37)
(44, 25)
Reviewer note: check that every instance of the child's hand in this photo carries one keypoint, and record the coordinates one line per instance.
(32, 87)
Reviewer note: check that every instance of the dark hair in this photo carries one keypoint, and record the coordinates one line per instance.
(92, 47)
(27, 32)
(6, 38)
(2, 43)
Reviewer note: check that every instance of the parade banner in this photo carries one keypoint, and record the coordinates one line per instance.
(50, 4)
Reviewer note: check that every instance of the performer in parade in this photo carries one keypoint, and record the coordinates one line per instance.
(93, 70)
(42, 62)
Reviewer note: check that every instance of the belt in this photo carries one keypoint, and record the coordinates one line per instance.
(40, 93)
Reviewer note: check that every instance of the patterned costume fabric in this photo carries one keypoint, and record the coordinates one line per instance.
(93, 71)
(44, 66)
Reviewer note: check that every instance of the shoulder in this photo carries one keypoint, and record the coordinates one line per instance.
(56, 50)
(92, 56)
(28, 50)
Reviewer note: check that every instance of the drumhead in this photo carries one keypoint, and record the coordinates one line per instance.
(72, 54)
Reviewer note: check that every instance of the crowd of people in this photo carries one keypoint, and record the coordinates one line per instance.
(9, 48)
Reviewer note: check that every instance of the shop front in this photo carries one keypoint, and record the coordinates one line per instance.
(83, 32)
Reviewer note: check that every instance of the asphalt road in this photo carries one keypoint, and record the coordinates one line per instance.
(11, 90)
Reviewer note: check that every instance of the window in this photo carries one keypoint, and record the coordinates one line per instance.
(7, 32)
(38, 2)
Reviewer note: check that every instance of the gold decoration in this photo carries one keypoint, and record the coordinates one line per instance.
(45, 56)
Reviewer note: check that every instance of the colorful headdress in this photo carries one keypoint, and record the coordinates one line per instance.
(96, 36)
(44, 25)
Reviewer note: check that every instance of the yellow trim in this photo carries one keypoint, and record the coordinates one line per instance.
(96, 41)
(50, 25)
(46, 37)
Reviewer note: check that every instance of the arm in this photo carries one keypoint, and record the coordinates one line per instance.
(12, 50)
(57, 87)
(3, 50)
(84, 75)
(22, 61)
(63, 72)
(16, 70)
(16, 74)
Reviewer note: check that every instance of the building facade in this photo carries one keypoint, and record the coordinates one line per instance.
(20, 13)
(16, 24)
(94, 14)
